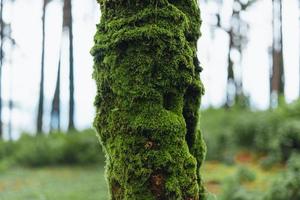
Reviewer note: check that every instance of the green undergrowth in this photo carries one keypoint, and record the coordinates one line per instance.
(72, 148)
(273, 135)
(88, 182)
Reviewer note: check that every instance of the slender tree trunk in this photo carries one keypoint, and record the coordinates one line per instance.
(68, 22)
(39, 128)
(277, 79)
(281, 66)
(10, 106)
(230, 74)
(55, 110)
(10, 102)
(149, 93)
(1, 63)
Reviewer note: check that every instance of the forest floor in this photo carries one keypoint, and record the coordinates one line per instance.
(77, 183)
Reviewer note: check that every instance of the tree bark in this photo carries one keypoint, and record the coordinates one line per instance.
(148, 98)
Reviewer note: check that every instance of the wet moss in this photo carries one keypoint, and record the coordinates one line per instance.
(148, 96)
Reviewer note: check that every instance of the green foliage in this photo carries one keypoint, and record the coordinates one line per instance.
(244, 174)
(82, 149)
(256, 131)
(54, 183)
(54, 149)
(7, 148)
(148, 97)
(38, 151)
(273, 133)
(288, 185)
(289, 138)
(233, 188)
(217, 132)
(290, 110)
(270, 160)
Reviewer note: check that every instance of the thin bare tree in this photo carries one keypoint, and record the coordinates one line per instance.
(68, 24)
(277, 76)
(40, 113)
(55, 109)
(238, 39)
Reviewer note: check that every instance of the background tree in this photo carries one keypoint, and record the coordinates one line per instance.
(7, 40)
(10, 99)
(149, 92)
(68, 24)
(40, 113)
(277, 76)
(238, 39)
(237, 31)
(55, 109)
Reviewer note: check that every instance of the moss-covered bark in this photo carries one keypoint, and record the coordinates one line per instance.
(148, 97)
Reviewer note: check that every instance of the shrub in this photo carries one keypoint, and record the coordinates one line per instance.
(6, 149)
(217, 130)
(270, 160)
(39, 151)
(233, 190)
(291, 110)
(233, 187)
(82, 149)
(244, 174)
(58, 149)
(244, 131)
(289, 139)
(287, 187)
(257, 131)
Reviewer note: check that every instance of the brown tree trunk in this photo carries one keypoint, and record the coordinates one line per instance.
(277, 78)
(68, 22)
(40, 115)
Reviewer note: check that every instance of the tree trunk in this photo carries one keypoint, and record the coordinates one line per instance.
(230, 97)
(1, 63)
(277, 79)
(55, 110)
(148, 98)
(10, 107)
(41, 93)
(69, 24)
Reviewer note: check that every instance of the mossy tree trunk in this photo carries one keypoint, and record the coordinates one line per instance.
(148, 97)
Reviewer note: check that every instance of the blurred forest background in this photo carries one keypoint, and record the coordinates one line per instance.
(250, 55)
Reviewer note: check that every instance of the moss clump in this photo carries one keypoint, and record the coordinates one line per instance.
(148, 97)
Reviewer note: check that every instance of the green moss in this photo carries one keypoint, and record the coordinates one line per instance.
(148, 97)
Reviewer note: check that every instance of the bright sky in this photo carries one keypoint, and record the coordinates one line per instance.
(24, 65)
